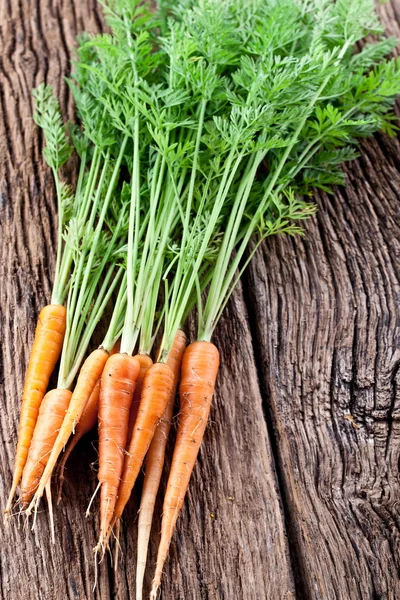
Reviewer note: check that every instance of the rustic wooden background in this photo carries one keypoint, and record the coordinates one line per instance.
(296, 491)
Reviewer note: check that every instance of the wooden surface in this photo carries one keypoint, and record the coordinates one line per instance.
(296, 490)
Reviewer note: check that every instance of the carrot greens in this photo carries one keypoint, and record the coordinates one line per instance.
(294, 98)
(56, 153)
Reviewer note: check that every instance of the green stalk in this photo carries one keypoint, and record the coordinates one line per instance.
(146, 334)
(60, 280)
(86, 203)
(117, 319)
(193, 174)
(81, 207)
(166, 226)
(229, 242)
(57, 298)
(185, 285)
(83, 269)
(94, 243)
(222, 285)
(106, 293)
(95, 278)
(128, 342)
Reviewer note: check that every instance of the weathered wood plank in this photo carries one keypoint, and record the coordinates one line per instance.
(326, 322)
(231, 540)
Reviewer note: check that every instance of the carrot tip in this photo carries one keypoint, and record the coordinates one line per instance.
(100, 547)
(87, 514)
(154, 592)
(28, 511)
(30, 507)
(11, 495)
(7, 514)
(102, 544)
(51, 515)
(33, 506)
(117, 544)
(97, 548)
(95, 570)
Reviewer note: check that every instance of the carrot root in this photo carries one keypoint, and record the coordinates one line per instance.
(46, 350)
(90, 373)
(156, 390)
(51, 415)
(86, 423)
(145, 363)
(199, 372)
(51, 515)
(117, 544)
(87, 514)
(154, 465)
(117, 389)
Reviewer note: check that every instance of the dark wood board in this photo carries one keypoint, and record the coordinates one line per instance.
(296, 487)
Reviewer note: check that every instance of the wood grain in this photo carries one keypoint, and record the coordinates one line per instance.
(231, 540)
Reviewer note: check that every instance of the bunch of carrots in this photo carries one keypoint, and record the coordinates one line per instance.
(202, 128)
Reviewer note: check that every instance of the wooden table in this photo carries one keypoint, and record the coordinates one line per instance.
(296, 490)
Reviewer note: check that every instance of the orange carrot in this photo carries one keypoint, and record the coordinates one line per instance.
(51, 414)
(87, 421)
(45, 353)
(117, 388)
(199, 372)
(155, 463)
(156, 390)
(88, 376)
(145, 363)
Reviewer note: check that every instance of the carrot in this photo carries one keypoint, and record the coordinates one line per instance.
(155, 463)
(199, 371)
(45, 353)
(117, 388)
(87, 421)
(51, 415)
(156, 390)
(145, 363)
(88, 376)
